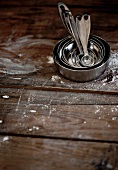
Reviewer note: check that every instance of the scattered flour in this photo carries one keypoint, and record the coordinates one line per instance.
(20, 55)
(16, 68)
(113, 61)
(33, 111)
(36, 127)
(30, 129)
(53, 109)
(50, 59)
(110, 76)
(25, 116)
(114, 109)
(44, 106)
(33, 128)
(114, 118)
(55, 78)
(5, 138)
(17, 78)
(1, 121)
(27, 41)
(5, 97)
(97, 109)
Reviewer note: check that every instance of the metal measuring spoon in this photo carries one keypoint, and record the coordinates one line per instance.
(73, 29)
(83, 25)
(69, 22)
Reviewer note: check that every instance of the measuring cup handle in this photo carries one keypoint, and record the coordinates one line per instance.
(87, 21)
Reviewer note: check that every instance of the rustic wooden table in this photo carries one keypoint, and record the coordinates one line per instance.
(47, 121)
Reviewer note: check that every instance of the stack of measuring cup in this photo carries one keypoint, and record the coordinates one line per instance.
(80, 56)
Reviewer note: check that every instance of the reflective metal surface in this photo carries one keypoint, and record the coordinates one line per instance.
(71, 56)
(80, 57)
(69, 22)
(81, 74)
(83, 25)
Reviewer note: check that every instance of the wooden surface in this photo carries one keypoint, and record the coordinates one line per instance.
(47, 121)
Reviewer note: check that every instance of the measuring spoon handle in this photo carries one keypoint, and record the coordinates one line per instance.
(80, 24)
(87, 21)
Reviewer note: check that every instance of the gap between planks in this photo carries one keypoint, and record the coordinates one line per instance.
(56, 138)
(50, 88)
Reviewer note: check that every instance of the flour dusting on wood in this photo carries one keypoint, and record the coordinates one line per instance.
(50, 59)
(1, 121)
(6, 138)
(110, 76)
(13, 68)
(6, 97)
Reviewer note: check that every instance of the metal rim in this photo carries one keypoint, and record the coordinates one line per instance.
(59, 62)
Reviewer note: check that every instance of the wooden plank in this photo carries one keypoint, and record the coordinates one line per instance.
(83, 3)
(67, 115)
(30, 113)
(12, 96)
(26, 57)
(35, 153)
(60, 89)
(22, 21)
(74, 122)
(28, 70)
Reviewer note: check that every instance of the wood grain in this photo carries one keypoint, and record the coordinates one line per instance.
(54, 97)
(33, 153)
(33, 55)
(47, 121)
(57, 114)
(28, 36)
(83, 3)
(19, 49)
(22, 21)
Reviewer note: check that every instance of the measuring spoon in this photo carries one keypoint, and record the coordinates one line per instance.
(83, 25)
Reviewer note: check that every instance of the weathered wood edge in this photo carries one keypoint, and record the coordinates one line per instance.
(50, 88)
